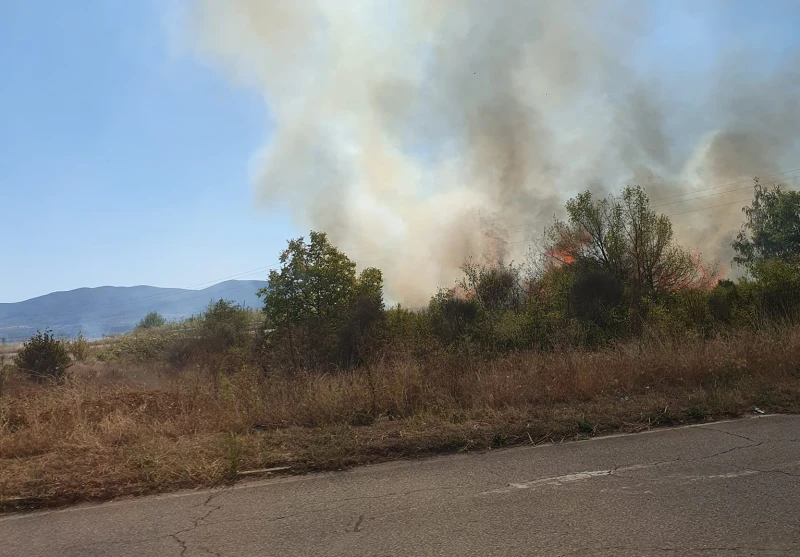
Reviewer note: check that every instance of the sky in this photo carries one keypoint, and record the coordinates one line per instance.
(125, 161)
(122, 162)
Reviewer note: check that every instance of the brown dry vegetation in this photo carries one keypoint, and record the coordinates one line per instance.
(119, 429)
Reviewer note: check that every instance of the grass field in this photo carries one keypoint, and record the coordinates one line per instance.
(117, 429)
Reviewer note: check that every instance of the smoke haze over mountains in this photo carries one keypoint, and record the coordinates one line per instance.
(417, 132)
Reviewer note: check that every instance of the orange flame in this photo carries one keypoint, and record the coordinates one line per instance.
(559, 257)
(460, 293)
(705, 279)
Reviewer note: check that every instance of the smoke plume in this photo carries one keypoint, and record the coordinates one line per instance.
(419, 132)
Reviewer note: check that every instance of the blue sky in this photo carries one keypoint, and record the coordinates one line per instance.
(123, 164)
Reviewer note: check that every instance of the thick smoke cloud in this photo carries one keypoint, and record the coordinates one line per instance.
(419, 132)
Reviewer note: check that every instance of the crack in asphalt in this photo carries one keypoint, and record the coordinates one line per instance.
(359, 522)
(491, 471)
(706, 428)
(337, 504)
(770, 471)
(210, 506)
(196, 523)
(619, 470)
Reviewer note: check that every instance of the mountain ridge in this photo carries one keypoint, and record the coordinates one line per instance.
(108, 310)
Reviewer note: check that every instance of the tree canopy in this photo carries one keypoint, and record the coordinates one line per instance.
(315, 280)
(625, 238)
(317, 291)
(771, 229)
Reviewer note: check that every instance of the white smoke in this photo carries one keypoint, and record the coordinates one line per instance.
(419, 132)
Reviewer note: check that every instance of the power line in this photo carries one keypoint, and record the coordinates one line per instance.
(719, 193)
(244, 274)
(728, 184)
(711, 207)
(683, 201)
(512, 229)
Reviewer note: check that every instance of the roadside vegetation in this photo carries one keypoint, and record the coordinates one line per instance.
(613, 327)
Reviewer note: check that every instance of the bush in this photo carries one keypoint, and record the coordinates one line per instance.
(723, 300)
(79, 347)
(151, 321)
(776, 289)
(225, 325)
(5, 371)
(452, 314)
(361, 331)
(43, 357)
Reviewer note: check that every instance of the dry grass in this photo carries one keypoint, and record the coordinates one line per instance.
(131, 430)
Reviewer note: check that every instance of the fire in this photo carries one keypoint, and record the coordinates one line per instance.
(567, 247)
(460, 293)
(559, 257)
(705, 278)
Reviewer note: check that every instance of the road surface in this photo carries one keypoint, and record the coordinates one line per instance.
(729, 488)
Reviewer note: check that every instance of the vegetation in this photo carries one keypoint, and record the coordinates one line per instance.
(43, 357)
(151, 321)
(150, 429)
(616, 327)
(318, 308)
(79, 348)
(771, 231)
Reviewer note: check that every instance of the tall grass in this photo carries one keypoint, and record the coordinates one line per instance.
(125, 428)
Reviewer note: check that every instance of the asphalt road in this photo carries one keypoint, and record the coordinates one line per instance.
(729, 488)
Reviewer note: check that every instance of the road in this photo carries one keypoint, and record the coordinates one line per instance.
(728, 488)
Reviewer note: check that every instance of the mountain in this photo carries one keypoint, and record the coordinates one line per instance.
(111, 310)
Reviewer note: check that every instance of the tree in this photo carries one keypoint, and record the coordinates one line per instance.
(627, 240)
(151, 321)
(365, 311)
(313, 293)
(771, 229)
(315, 281)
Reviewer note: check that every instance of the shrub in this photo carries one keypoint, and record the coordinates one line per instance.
(451, 314)
(151, 321)
(4, 371)
(777, 287)
(43, 357)
(79, 347)
(224, 326)
(723, 300)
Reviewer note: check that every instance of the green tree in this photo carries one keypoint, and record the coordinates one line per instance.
(771, 229)
(365, 312)
(310, 298)
(315, 280)
(150, 321)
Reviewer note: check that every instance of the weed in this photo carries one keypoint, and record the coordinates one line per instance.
(166, 431)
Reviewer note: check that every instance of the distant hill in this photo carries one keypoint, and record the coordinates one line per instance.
(109, 310)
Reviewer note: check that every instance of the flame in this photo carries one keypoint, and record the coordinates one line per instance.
(460, 293)
(559, 257)
(704, 279)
